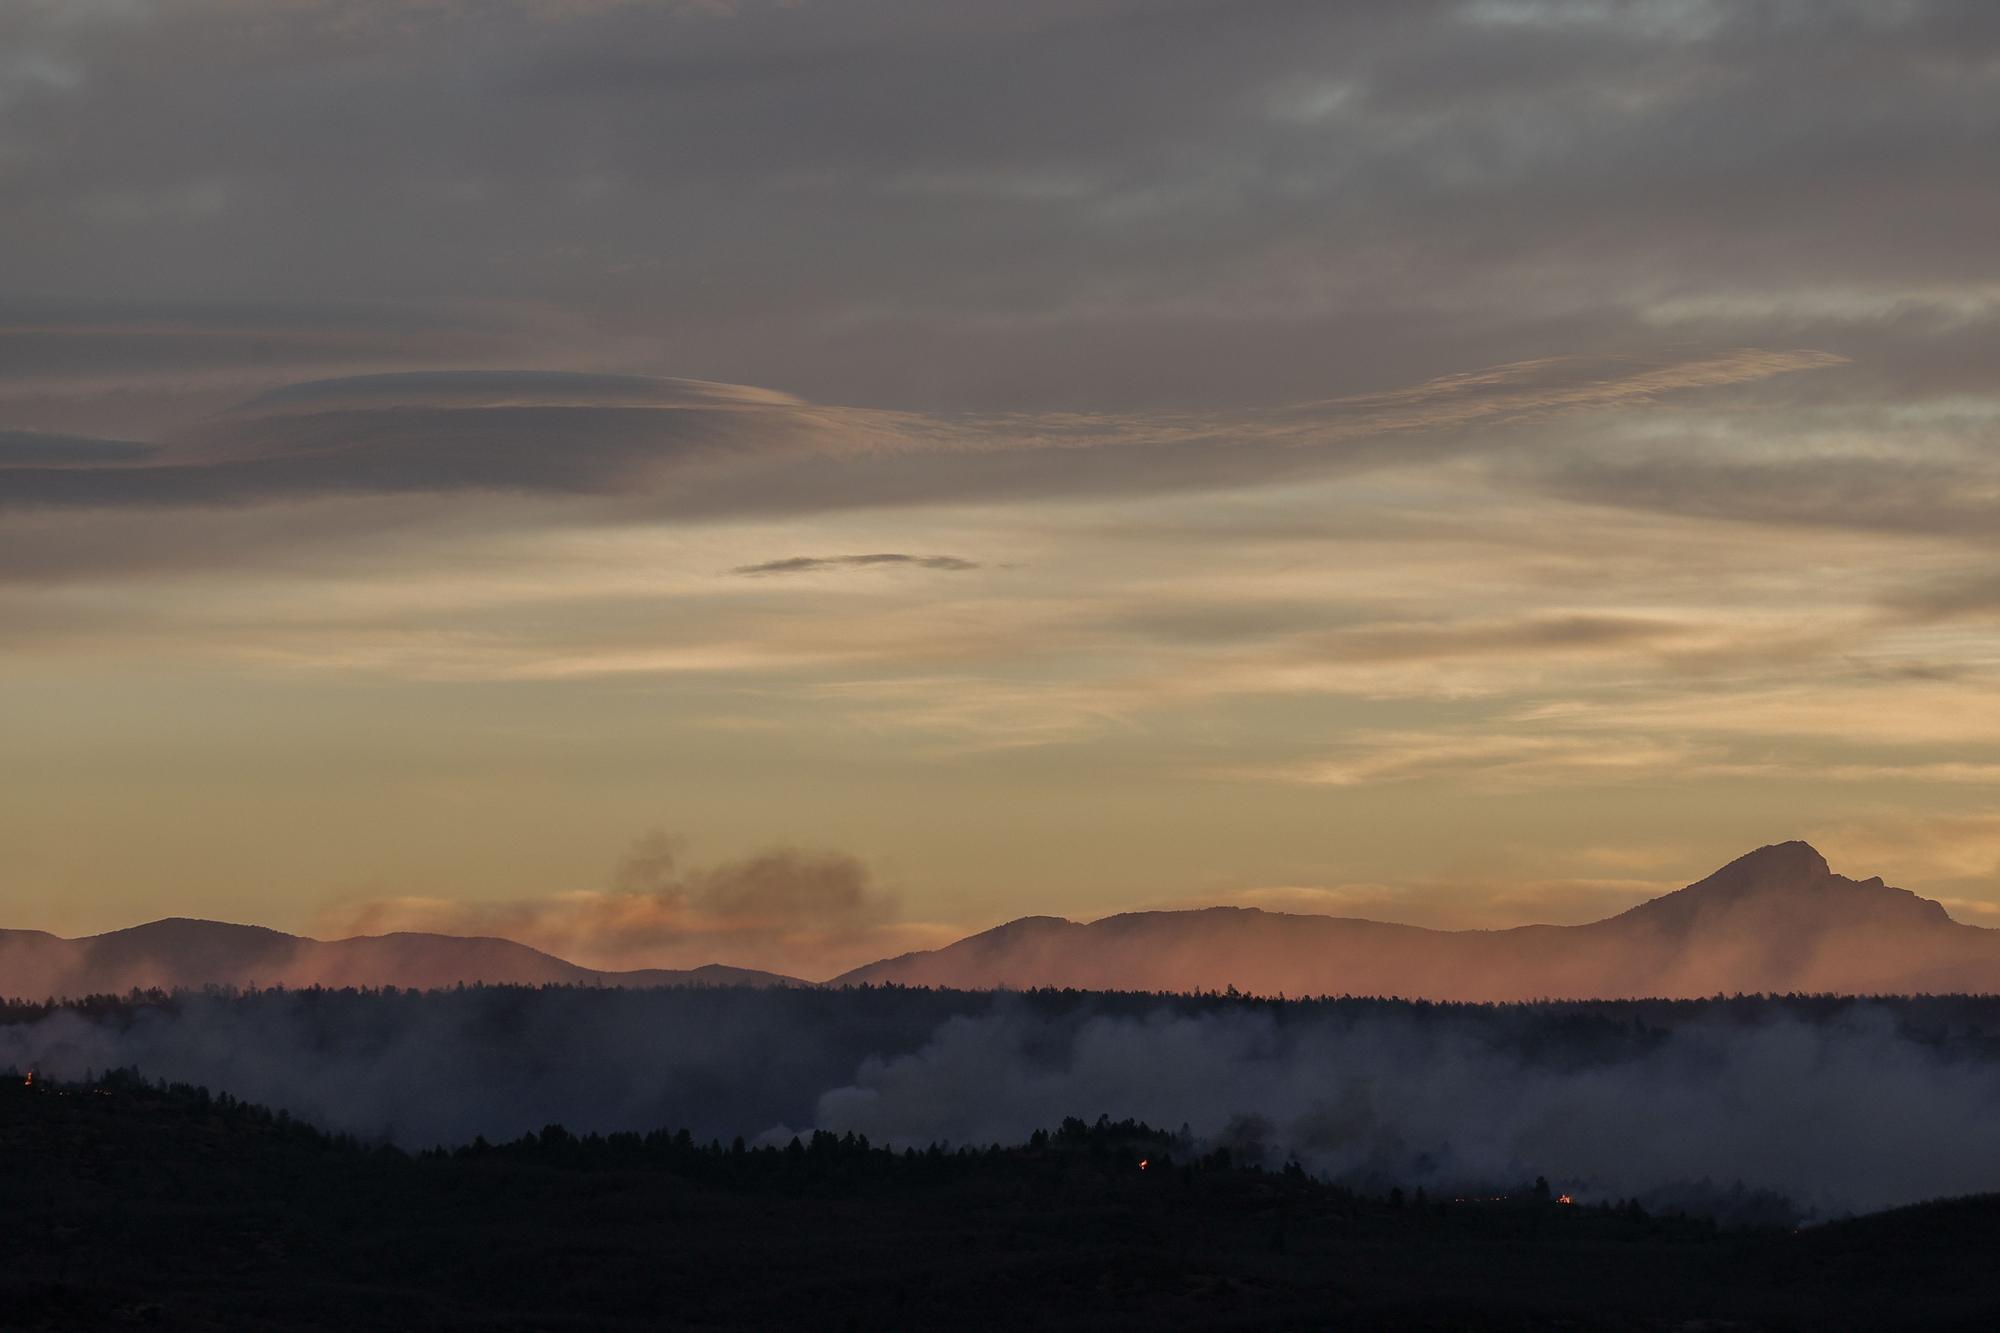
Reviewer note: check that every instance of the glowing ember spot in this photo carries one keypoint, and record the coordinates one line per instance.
(1144, 1162)
(1564, 1198)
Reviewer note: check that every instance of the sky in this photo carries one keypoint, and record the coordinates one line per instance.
(787, 483)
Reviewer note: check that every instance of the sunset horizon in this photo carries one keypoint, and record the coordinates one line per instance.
(1073, 664)
(1472, 495)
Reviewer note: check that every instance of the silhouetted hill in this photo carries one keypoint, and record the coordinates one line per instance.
(184, 953)
(171, 1207)
(1775, 920)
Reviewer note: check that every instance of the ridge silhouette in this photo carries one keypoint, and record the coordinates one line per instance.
(189, 953)
(1777, 919)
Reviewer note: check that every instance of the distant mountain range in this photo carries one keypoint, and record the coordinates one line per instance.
(1776, 920)
(183, 953)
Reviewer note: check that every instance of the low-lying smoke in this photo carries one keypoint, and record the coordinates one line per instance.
(1838, 1105)
(783, 910)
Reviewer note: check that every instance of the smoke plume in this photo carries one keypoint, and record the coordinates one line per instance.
(1837, 1104)
(796, 912)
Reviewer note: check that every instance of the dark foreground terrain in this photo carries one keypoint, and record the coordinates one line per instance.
(129, 1203)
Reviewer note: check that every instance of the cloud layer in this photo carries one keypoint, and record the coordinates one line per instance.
(1076, 455)
(813, 564)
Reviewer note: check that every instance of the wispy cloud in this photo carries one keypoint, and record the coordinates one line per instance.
(1906, 711)
(811, 564)
(709, 448)
(1494, 760)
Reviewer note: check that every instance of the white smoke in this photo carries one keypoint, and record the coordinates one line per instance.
(1842, 1115)
(1841, 1108)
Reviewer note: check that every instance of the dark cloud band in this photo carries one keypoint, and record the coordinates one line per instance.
(810, 564)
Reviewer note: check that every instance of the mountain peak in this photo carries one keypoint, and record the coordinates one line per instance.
(1787, 871)
(1780, 863)
(1784, 892)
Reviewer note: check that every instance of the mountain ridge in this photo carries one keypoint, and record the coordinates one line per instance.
(1776, 919)
(178, 952)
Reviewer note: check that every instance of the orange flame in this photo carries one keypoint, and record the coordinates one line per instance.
(1564, 1198)
(1144, 1162)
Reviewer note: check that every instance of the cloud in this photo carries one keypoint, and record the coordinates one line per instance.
(1195, 205)
(1501, 761)
(27, 448)
(569, 433)
(1975, 596)
(1917, 710)
(1605, 378)
(1930, 496)
(805, 914)
(153, 367)
(380, 452)
(415, 433)
(1473, 655)
(1536, 635)
(810, 564)
(1496, 760)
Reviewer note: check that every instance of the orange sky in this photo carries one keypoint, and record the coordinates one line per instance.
(1485, 463)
